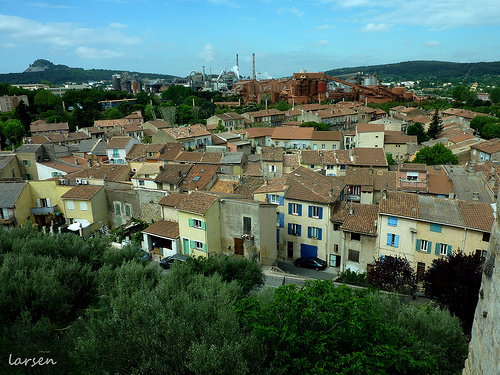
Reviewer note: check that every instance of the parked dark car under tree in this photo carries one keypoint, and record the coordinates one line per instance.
(310, 262)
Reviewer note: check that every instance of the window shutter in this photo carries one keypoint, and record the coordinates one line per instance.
(320, 212)
(308, 232)
(389, 239)
(268, 196)
(191, 223)
(310, 211)
(299, 230)
(203, 225)
(282, 200)
(437, 248)
(300, 210)
(277, 236)
(396, 241)
(38, 202)
(418, 245)
(429, 247)
(448, 252)
(289, 228)
(282, 220)
(48, 202)
(205, 248)
(191, 244)
(289, 208)
(320, 233)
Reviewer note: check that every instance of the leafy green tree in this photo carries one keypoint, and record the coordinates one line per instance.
(435, 155)
(45, 100)
(491, 130)
(113, 113)
(454, 283)
(184, 114)
(436, 126)
(480, 122)
(14, 131)
(394, 274)
(461, 93)
(390, 160)
(495, 95)
(177, 94)
(316, 125)
(21, 113)
(418, 130)
(283, 106)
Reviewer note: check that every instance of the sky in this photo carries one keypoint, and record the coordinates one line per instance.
(179, 36)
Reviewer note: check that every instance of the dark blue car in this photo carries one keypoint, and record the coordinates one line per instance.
(310, 262)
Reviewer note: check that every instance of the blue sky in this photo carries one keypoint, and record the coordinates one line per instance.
(179, 36)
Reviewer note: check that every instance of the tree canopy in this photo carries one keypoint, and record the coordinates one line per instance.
(436, 126)
(435, 155)
(394, 274)
(316, 125)
(418, 130)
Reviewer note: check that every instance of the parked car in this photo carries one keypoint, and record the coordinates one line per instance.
(310, 262)
(165, 263)
(143, 255)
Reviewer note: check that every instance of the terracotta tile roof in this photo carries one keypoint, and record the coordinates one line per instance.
(211, 157)
(199, 176)
(462, 113)
(370, 156)
(159, 124)
(171, 151)
(82, 192)
(292, 132)
(477, 215)
(397, 137)
(64, 167)
(257, 132)
(272, 154)
(111, 123)
(185, 132)
(136, 115)
(224, 186)
(253, 169)
(326, 136)
(400, 204)
(489, 147)
(356, 217)
(188, 156)
(248, 185)
(38, 139)
(112, 172)
(173, 173)
(368, 128)
(404, 167)
(265, 113)
(216, 140)
(149, 168)
(461, 138)
(435, 170)
(172, 199)
(310, 107)
(439, 184)
(118, 142)
(358, 176)
(310, 157)
(45, 127)
(291, 160)
(133, 128)
(163, 228)
(273, 185)
(384, 180)
(75, 160)
(197, 202)
(307, 185)
(337, 157)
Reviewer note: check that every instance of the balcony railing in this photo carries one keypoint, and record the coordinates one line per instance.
(44, 210)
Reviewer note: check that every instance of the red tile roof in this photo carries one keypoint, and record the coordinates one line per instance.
(197, 202)
(82, 192)
(163, 228)
(356, 217)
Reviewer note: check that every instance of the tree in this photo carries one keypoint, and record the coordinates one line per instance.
(436, 126)
(394, 274)
(177, 94)
(113, 113)
(45, 100)
(316, 125)
(461, 93)
(491, 130)
(495, 95)
(418, 130)
(168, 114)
(283, 106)
(454, 283)
(14, 131)
(21, 113)
(435, 155)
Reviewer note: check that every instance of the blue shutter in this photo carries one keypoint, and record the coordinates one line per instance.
(300, 210)
(282, 200)
(310, 211)
(289, 208)
(448, 251)
(396, 241)
(282, 220)
(389, 239)
(289, 228)
(320, 212)
(320, 233)
(308, 232)
(418, 245)
(203, 225)
(437, 249)
(436, 228)
(268, 197)
(429, 247)
(299, 230)
(277, 236)
(392, 221)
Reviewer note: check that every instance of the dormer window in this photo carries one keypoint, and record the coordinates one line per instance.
(412, 176)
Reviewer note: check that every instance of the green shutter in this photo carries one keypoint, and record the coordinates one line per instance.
(437, 248)
(448, 252)
(191, 223)
(205, 248)
(191, 244)
(429, 247)
(418, 245)
(203, 225)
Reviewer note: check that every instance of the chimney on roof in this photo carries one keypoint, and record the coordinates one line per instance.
(178, 173)
(451, 195)
(76, 161)
(475, 196)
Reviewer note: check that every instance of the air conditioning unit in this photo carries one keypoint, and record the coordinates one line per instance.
(85, 182)
(78, 181)
(413, 230)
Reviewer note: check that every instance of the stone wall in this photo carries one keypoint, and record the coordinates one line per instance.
(484, 347)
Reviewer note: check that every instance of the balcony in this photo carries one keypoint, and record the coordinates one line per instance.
(44, 210)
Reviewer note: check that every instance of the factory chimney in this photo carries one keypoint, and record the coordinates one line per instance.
(253, 66)
(237, 63)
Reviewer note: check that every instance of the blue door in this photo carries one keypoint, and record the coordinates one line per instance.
(308, 251)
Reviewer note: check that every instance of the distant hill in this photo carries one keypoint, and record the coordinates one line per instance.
(44, 70)
(439, 71)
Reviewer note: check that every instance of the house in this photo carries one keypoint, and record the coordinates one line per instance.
(118, 148)
(185, 157)
(230, 120)
(56, 168)
(200, 177)
(162, 238)
(92, 149)
(233, 163)
(93, 132)
(194, 136)
(28, 155)
(99, 174)
(357, 225)
(258, 137)
(46, 128)
(270, 117)
(423, 228)
(169, 205)
(337, 118)
(412, 177)
(155, 125)
(134, 131)
(486, 151)
(369, 135)
(135, 118)
(170, 152)
(359, 185)
(85, 206)
(400, 145)
(171, 176)
(9, 166)
(463, 116)
(145, 176)
(143, 152)
(272, 162)
(14, 203)
(46, 205)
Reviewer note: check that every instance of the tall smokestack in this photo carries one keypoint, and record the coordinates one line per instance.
(253, 66)
(237, 63)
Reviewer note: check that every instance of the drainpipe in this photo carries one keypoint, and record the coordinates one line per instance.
(463, 243)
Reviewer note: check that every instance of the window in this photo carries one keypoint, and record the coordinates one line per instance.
(128, 209)
(198, 245)
(71, 205)
(336, 226)
(141, 183)
(272, 168)
(295, 209)
(83, 206)
(353, 256)
(294, 229)
(343, 167)
(312, 166)
(443, 249)
(323, 146)
(481, 255)
(26, 163)
(286, 144)
(277, 143)
(274, 198)
(334, 147)
(484, 156)
(424, 246)
(392, 240)
(392, 221)
(118, 208)
(116, 154)
(486, 237)
(316, 212)
(146, 176)
(313, 232)
(436, 228)
(196, 223)
(355, 237)
(412, 176)
(28, 176)
(247, 225)
(355, 190)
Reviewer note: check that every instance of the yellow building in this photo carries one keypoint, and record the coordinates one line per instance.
(46, 204)
(14, 203)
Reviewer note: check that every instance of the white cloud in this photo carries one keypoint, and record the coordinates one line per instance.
(434, 43)
(119, 26)
(322, 43)
(291, 10)
(96, 53)
(207, 53)
(373, 28)
(324, 27)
